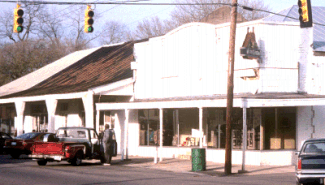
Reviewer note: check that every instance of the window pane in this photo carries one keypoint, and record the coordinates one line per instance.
(149, 127)
(315, 148)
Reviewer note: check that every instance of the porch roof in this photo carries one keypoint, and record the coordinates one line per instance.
(33, 78)
(240, 100)
(105, 65)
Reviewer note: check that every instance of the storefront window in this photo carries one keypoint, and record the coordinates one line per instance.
(180, 127)
(280, 128)
(189, 134)
(149, 127)
(217, 128)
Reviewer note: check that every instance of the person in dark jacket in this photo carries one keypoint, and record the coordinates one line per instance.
(107, 142)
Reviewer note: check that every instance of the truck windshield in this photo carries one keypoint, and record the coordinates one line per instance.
(316, 148)
(72, 133)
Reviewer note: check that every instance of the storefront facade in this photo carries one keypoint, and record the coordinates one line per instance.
(167, 95)
(180, 87)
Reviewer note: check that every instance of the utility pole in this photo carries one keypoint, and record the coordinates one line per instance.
(230, 85)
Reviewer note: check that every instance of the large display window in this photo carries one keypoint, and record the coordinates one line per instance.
(267, 128)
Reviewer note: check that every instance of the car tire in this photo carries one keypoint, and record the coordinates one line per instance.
(42, 162)
(77, 160)
(15, 156)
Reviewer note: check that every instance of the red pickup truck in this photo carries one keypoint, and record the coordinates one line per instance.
(72, 144)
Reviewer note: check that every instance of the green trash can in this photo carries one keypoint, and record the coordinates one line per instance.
(198, 159)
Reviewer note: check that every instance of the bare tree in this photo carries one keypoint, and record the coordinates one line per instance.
(43, 40)
(21, 58)
(195, 13)
(183, 14)
(76, 37)
(31, 13)
(151, 28)
(256, 5)
(50, 26)
(114, 32)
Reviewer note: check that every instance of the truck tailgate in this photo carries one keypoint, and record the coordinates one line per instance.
(313, 162)
(48, 148)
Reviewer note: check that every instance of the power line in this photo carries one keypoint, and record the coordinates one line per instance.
(140, 2)
(266, 11)
(116, 2)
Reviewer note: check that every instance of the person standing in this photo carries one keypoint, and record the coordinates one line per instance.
(107, 143)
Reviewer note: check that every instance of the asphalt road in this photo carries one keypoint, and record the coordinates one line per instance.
(26, 171)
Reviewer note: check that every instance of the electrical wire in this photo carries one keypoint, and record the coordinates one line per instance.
(140, 2)
(136, 2)
(260, 10)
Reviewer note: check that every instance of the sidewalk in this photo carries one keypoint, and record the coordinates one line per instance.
(185, 166)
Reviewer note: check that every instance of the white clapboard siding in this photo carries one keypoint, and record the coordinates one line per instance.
(317, 75)
(192, 60)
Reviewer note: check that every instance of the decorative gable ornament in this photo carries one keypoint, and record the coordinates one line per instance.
(250, 50)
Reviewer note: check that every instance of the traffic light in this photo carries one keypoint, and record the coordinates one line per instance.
(305, 17)
(18, 19)
(89, 21)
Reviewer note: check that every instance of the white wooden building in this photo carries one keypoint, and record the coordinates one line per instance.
(166, 95)
(183, 74)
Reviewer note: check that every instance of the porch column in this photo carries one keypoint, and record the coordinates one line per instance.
(277, 142)
(161, 133)
(261, 132)
(51, 105)
(201, 125)
(148, 134)
(244, 137)
(20, 108)
(219, 134)
(177, 123)
(126, 134)
(88, 102)
(97, 121)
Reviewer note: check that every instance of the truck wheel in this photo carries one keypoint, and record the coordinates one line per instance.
(42, 162)
(15, 156)
(76, 161)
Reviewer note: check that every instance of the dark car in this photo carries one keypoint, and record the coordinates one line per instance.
(22, 144)
(3, 138)
(310, 168)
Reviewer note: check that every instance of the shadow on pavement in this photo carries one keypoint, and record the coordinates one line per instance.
(134, 160)
(6, 159)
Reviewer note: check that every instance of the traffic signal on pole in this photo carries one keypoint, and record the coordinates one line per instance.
(305, 17)
(89, 21)
(18, 19)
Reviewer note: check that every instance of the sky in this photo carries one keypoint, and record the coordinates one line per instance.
(131, 15)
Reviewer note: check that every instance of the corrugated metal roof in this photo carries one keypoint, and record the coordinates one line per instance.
(105, 65)
(43, 73)
(318, 17)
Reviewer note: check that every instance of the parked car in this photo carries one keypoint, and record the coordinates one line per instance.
(73, 145)
(3, 138)
(310, 167)
(22, 144)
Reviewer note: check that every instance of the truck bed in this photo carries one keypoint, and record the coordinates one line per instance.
(50, 148)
